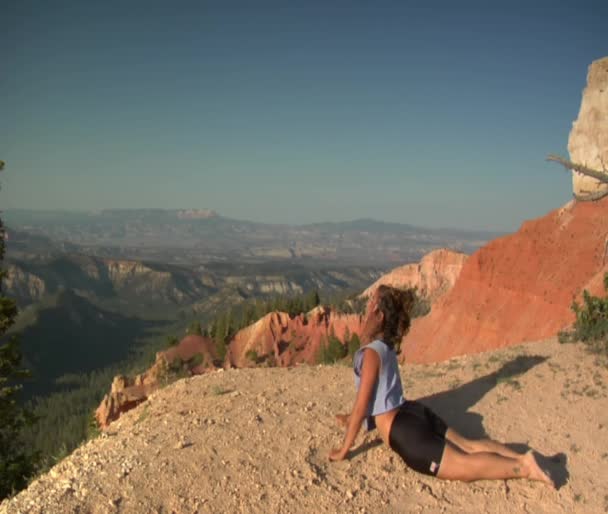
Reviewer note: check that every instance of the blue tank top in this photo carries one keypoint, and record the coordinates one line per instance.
(388, 391)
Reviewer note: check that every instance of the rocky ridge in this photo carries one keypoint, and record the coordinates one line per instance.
(519, 287)
(28, 281)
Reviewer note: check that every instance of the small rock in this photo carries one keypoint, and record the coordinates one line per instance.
(182, 443)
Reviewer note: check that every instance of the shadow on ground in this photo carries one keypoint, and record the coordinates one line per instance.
(364, 447)
(453, 406)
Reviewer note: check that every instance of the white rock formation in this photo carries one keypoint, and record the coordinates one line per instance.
(588, 141)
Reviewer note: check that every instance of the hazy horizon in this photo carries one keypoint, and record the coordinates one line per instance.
(278, 223)
(436, 116)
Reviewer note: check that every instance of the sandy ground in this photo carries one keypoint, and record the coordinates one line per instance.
(257, 440)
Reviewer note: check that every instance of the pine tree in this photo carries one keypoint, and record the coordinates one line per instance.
(16, 464)
(219, 337)
(313, 300)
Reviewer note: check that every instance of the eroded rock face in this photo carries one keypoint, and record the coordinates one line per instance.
(433, 276)
(281, 340)
(121, 399)
(193, 355)
(519, 287)
(588, 142)
(26, 287)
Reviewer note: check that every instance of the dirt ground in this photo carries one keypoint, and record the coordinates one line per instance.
(257, 440)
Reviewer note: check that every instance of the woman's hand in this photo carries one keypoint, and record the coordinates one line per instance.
(339, 454)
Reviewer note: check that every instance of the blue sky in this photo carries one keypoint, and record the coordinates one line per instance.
(295, 112)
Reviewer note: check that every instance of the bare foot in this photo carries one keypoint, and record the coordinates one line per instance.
(536, 472)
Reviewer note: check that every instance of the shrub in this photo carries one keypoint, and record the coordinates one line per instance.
(332, 350)
(196, 360)
(172, 371)
(591, 324)
(421, 306)
(252, 355)
(353, 345)
(195, 329)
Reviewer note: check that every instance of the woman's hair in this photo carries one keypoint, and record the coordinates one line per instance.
(396, 305)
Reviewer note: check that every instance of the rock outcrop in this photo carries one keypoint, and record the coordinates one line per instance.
(519, 287)
(284, 341)
(588, 142)
(23, 285)
(193, 355)
(432, 277)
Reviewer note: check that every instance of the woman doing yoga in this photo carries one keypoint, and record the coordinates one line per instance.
(416, 433)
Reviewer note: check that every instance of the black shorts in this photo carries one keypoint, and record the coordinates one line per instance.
(418, 436)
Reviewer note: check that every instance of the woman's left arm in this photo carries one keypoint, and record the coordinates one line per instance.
(369, 376)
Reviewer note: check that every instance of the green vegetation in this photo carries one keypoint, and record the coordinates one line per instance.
(144, 413)
(354, 343)
(218, 390)
(591, 324)
(226, 324)
(196, 360)
(17, 460)
(252, 355)
(195, 329)
(332, 350)
(348, 303)
(421, 307)
(65, 416)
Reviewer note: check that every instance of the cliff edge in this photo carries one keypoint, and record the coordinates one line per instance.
(257, 441)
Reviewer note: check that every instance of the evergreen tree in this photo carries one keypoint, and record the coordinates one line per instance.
(16, 464)
(354, 344)
(313, 300)
(219, 337)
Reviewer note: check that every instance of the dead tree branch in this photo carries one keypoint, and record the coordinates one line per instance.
(602, 176)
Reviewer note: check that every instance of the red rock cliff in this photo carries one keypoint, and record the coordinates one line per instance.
(519, 287)
(289, 341)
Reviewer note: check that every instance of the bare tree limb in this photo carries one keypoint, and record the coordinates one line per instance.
(602, 176)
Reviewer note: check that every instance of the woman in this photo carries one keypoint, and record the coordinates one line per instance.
(417, 434)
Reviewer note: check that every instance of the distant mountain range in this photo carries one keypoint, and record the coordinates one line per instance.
(195, 236)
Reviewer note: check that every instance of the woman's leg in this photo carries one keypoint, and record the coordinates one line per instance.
(459, 465)
(479, 445)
